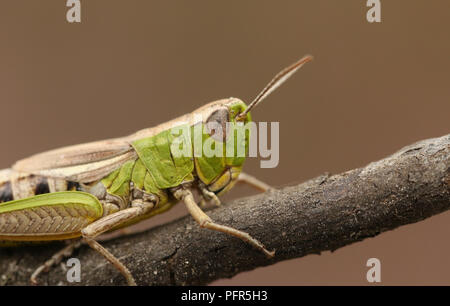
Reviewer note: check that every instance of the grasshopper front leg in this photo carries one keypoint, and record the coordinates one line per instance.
(207, 196)
(109, 222)
(253, 182)
(205, 221)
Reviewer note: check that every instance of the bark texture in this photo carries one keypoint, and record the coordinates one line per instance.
(325, 213)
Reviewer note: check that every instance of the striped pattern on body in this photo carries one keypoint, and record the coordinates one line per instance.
(15, 185)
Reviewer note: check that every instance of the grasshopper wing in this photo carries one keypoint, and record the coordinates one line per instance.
(83, 163)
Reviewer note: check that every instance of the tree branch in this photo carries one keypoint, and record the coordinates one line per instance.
(325, 213)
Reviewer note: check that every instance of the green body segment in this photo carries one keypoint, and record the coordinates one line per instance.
(143, 180)
(157, 154)
(139, 173)
(208, 167)
(121, 184)
(118, 182)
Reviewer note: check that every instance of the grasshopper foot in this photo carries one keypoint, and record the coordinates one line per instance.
(54, 260)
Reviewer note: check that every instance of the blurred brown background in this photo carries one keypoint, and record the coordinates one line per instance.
(372, 89)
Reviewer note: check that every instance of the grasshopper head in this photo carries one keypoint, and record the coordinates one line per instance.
(236, 107)
(223, 114)
(221, 133)
(225, 121)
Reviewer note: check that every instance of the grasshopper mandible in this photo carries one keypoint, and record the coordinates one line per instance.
(80, 192)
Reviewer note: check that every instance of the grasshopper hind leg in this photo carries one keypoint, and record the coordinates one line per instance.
(109, 222)
(112, 259)
(55, 259)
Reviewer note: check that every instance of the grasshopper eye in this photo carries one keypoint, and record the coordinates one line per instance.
(216, 125)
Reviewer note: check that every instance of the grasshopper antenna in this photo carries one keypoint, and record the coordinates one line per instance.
(279, 79)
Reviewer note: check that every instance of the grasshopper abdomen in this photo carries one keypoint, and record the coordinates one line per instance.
(15, 185)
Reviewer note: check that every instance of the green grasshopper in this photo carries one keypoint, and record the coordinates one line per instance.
(80, 192)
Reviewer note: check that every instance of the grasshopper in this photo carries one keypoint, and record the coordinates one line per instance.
(79, 192)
